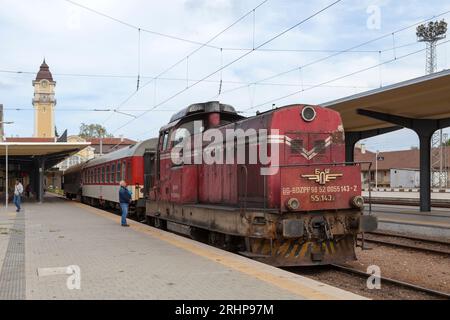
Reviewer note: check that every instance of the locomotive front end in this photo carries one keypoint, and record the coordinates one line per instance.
(317, 193)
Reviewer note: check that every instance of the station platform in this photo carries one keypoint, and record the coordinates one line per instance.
(66, 250)
(409, 219)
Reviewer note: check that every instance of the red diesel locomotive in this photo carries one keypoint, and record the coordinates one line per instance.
(306, 209)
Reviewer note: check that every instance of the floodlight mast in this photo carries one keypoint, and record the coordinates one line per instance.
(431, 33)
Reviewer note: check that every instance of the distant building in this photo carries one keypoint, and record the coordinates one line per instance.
(107, 145)
(80, 157)
(396, 169)
(44, 103)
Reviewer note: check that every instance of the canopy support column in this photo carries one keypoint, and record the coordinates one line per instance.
(424, 128)
(41, 171)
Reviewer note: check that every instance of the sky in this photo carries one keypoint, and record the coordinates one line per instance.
(95, 60)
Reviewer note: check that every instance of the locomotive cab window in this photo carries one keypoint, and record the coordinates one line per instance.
(296, 146)
(319, 145)
(164, 141)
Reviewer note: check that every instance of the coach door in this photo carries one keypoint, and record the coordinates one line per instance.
(164, 166)
(149, 172)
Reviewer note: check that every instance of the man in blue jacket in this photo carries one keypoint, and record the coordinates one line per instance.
(124, 199)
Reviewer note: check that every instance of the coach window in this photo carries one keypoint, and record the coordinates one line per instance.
(129, 170)
(124, 168)
(103, 174)
(118, 171)
(107, 174)
(113, 172)
(98, 175)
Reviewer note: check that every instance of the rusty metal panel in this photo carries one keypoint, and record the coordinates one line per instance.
(320, 187)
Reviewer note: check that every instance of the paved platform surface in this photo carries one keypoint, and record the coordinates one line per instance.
(140, 262)
(409, 219)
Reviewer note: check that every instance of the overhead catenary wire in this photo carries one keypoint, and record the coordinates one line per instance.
(342, 77)
(350, 49)
(190, 54)
(130, 76)
(234, 61)
(130, 25)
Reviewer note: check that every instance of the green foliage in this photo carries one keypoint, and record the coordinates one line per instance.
(93, 130)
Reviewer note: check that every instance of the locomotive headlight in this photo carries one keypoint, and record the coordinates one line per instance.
(308, 113)
(293, 204)
(357, 202)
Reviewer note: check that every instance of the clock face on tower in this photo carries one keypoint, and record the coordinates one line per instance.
(44, 98)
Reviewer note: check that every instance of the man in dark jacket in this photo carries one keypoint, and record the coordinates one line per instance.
(124, 199)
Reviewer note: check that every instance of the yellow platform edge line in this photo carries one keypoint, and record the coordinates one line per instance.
(302, 290)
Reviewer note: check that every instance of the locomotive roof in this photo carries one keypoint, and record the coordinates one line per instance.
(205, 107)
(137, 149)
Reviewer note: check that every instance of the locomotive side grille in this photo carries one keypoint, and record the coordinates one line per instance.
(296, 146)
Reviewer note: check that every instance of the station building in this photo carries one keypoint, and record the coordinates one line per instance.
(396, 169)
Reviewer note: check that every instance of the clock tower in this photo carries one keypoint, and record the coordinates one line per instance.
(44, 103)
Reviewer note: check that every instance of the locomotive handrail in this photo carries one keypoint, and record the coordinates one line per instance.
(325, 164)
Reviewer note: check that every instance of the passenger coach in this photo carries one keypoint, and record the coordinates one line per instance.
(96, 182)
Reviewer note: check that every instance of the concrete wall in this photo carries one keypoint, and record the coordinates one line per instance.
(405, 178)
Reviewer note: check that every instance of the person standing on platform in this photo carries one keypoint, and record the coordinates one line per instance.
(18, 190)
(124, 199)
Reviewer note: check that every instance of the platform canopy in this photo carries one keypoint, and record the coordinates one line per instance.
(421, 104)
(53, 152)
(426, 97)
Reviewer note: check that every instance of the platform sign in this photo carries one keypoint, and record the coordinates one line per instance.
(320, 187)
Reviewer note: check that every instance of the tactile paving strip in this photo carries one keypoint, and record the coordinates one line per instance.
(12, 274)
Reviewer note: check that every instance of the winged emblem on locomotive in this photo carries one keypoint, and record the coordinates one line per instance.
(322, 177)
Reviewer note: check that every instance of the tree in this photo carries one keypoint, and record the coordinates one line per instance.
(447, 143)
(93, 130)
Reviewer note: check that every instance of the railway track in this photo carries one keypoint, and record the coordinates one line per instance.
(394, 282)
(362, 276)
(408, 242)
